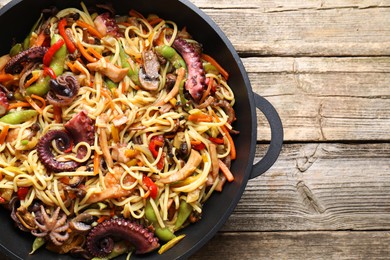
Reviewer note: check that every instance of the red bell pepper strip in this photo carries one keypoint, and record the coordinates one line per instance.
(197, 145)
(216, 140)
(47, 71)
(152, 187)
(155, 143)
(51, 51)
(22, 192)
(61, 29)
(2, 200)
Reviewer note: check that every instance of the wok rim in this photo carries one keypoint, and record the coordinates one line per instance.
(197, 245)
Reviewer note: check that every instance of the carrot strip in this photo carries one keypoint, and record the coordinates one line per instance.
(200, 117)
(94, 53)
(35, 77)
(40, 39)
(106, 93)
(225, 170)
(3, 134)
(34, 104)
(155, 21)
(57, 113)
(96, 163)
(18, 104)
(102, 218)
(85, 53)
(221, 70)
(207, 92)
(71, 67)
(233, 153)
(6, 77)
(92, 30)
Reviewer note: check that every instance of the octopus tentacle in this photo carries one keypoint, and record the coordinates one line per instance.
(196, 79)
(46, 155)
(14, 65)
(100, 240)
(3, 103)
(79, 129)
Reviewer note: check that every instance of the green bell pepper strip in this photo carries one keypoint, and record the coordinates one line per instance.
(170, 54)
(41, 87)
(126, 60)
(17, 48)
(111, 84)
(18, 117)
(26, 42)
(120, 248)
(165, 234)
(185, 210)
(38, 243)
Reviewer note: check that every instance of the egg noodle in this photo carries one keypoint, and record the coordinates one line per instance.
(151, 148)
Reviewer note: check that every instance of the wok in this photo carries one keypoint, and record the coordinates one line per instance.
(17, 18)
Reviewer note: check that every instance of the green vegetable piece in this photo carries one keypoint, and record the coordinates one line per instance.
(170, 54)
(18, 117)
(210, 68)
(15, 49)
(38, 243)
(41, 87)
(185, 210)
(149, 213)
(111, 84)
(26, 42)
(164, 234)
(127, 62)
(24, 142)
(120, 248)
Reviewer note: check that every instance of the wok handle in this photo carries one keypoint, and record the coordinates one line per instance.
(275, 145)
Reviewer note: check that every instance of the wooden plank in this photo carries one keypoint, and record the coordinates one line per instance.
(317, 28)
(288, 5)
(325, 186)
(324, 99)
(297, 245)
(294, 31)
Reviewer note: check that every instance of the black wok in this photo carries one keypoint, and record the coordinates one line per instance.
(16, 19)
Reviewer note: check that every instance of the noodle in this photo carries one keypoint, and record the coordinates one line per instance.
(134, 138)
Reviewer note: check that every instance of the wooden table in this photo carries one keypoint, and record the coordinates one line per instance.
(324, 65)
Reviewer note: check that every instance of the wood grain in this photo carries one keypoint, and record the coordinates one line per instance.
(303, 28)
(318, 186)
(297, 245)
(325, 66)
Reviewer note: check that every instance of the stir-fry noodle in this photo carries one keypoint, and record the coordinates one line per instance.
(107, 120)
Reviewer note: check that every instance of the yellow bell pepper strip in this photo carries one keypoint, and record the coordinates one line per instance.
(170, 244)
(57, 62)
(18, 117)
(68, 42)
